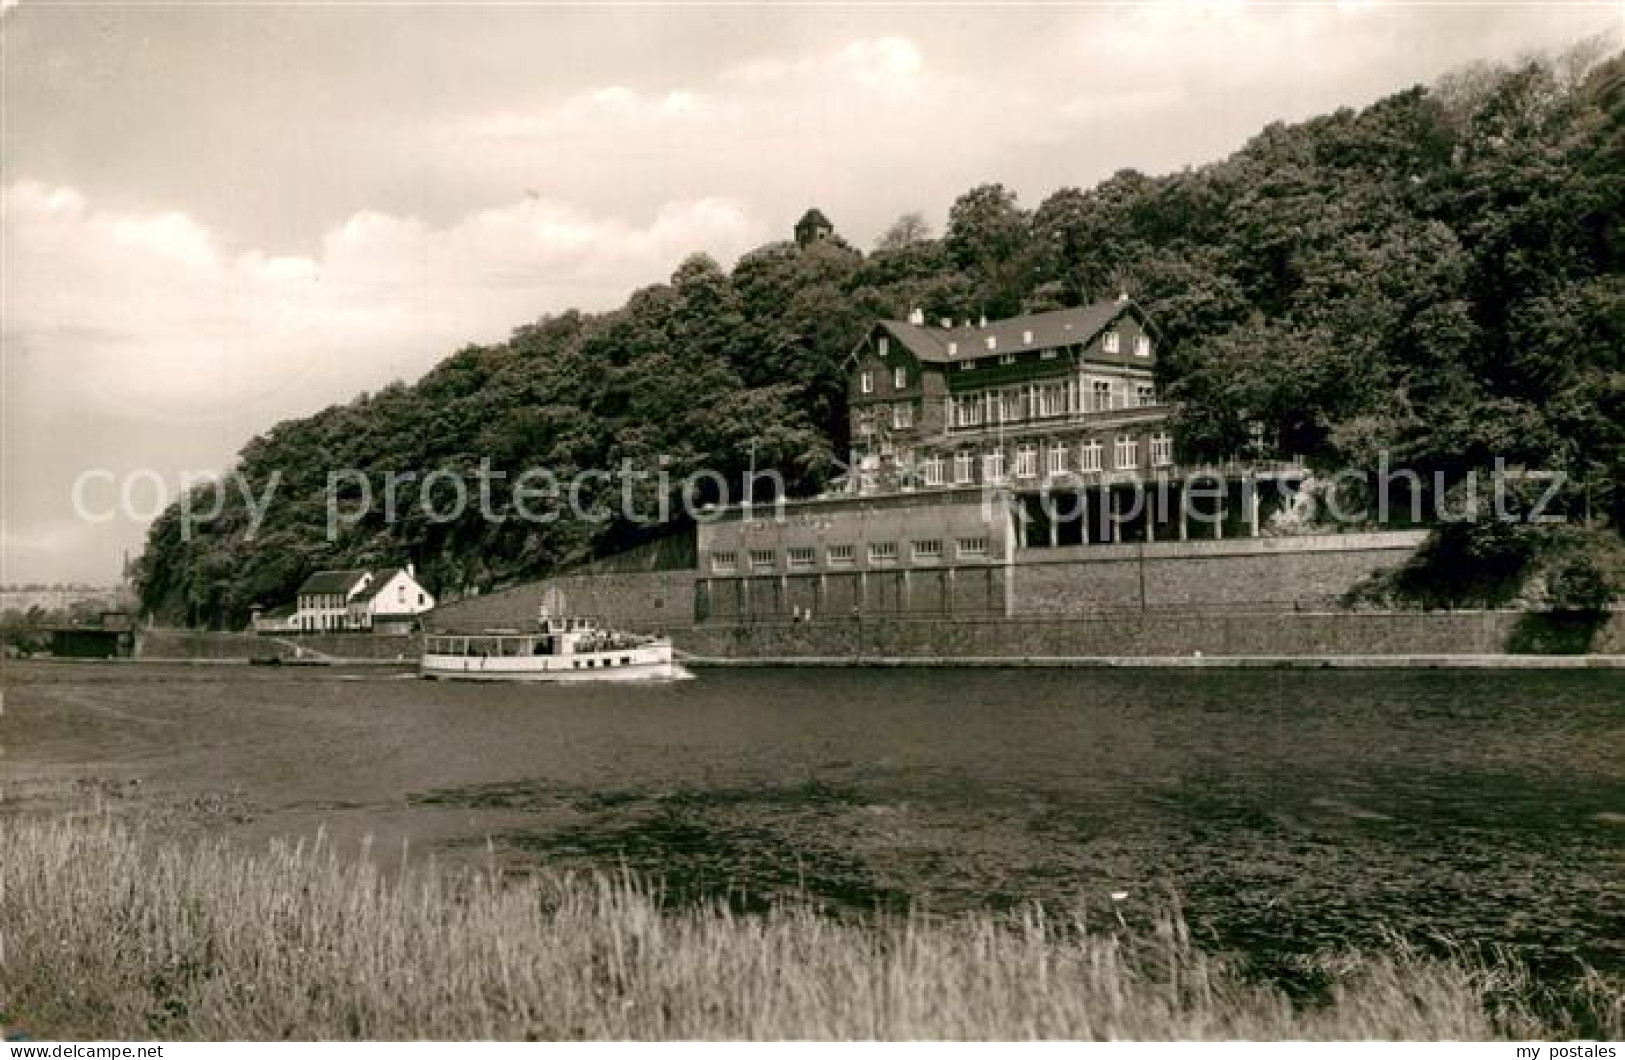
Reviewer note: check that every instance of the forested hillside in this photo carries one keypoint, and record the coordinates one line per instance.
(1440, 275)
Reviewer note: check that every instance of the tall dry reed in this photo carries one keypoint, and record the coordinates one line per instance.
(108, 931)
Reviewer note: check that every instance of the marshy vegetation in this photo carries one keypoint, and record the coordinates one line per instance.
(110, 931)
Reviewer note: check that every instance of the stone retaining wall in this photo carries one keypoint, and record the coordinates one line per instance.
(1346, 633)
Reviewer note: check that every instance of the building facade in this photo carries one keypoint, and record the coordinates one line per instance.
(927, 553)
(813, 227)
(1059, 410)
(384, 600)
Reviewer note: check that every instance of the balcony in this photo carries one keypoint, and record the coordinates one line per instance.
(1092, 418)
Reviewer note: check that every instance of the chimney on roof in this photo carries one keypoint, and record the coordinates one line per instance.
(916, 316)
(983, 324)
(411, 571)
(947, 322)
(1122, 296)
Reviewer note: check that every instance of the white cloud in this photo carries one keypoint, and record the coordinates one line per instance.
(152, 318)
(141, 339)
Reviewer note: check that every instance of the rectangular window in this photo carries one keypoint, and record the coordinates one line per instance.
(902, 416)
(993, 466)
(1100, 396)
(927, 550)
(1052, 400)
(964, 467)
(1027, 462)
(1026, 338)
(969, 410)
(1090, 457)
(1142, 346)
(1111, 342)
(899, 378)
(965, 366)
(799, 557)
(1127, 452)
(838, 555)
(1010, 405)
(761, 559)
(973, 546)
(932, 470)
(1162, 450)
(882, 552)
(1145, 394)
(1007, 358)
(866, 382)
(884, 345)
(1057, 460)
(1049, 355)
(953, 349)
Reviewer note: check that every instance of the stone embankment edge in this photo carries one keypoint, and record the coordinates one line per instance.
(1182, 662)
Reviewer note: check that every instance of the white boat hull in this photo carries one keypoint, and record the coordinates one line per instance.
(642, 663)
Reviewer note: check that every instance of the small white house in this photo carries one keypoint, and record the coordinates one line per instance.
(386, 600)
(391, 601)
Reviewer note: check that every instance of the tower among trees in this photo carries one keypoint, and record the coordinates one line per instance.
(813, 228)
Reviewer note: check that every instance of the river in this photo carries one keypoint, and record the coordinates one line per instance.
(1288, 812)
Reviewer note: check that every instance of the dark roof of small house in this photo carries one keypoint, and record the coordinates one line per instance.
(380, 578)
(813, 217)
(281, 611)
(331, 581)
(1056, 328)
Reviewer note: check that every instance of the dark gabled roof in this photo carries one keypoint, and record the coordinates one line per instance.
(380, 578)
(331, 581)
(1057, 328)
(812, 217)
(282, 611)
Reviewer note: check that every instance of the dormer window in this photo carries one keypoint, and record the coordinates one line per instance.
(1026, 338)
(1142, 346)
(992, 342)
(1111, 342)
(953, 349)
(884, 345)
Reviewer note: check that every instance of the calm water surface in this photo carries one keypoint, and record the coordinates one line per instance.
(1290, 812)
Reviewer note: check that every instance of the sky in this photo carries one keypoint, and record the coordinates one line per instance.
(214, 218)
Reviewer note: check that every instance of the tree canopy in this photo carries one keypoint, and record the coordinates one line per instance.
(1437, 276)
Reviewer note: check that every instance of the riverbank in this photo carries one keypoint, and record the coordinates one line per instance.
(1191, 662)
(1492, 639)
(115, 932)
(1147, 662)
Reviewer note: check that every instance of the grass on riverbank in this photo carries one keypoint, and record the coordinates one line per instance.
(108, 932)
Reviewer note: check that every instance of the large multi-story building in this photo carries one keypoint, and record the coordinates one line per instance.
(1068, 395)
(975, 446)
(1059, 409)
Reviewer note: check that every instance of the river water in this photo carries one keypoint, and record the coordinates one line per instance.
(1287, 812)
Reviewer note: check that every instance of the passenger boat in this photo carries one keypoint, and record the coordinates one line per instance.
(562, 650)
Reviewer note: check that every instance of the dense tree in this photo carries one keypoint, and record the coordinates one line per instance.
(906, 231)
(1436, 280)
